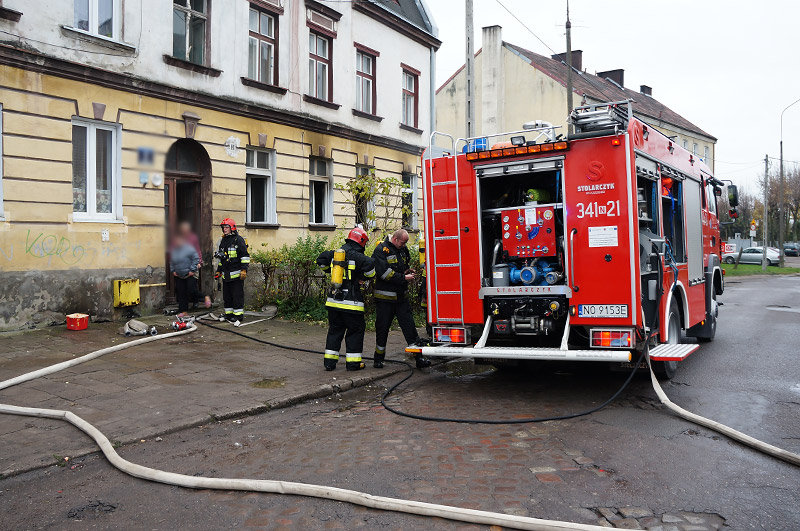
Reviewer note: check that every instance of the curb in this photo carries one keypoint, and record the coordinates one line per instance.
(321, 391)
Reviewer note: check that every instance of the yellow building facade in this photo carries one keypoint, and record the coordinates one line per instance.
(98, 166)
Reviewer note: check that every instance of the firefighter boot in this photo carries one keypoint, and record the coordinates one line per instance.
(330, 364)
(354, 365)
(422, 361)
(380, 355)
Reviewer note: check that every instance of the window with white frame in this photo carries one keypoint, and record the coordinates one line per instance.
(262, 47)
(99, 17)
(320, 191)
(685, 144)
(261, 186)
(365, 82)
(190, 30)
(365, 203)
(694, 148)
(410, 88)
(319, 66)
(96, 171)
(706, 152)
(409, 192)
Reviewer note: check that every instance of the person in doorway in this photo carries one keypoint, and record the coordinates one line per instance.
(345, 302)
(232, 270)
(185, 231)
(183, 262)
(393, 276)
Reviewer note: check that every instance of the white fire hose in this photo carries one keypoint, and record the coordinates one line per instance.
(320, 491)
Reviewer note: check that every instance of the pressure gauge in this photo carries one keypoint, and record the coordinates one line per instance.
(506, 235)
(505, 227)
(505, 218)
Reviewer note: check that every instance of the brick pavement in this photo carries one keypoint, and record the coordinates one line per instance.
(159, 387)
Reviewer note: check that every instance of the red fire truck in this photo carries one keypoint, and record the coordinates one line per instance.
(581, 248)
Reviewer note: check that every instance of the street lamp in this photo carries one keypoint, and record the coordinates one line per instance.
(781, 190)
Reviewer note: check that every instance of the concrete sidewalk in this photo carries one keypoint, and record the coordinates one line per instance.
(163, 386)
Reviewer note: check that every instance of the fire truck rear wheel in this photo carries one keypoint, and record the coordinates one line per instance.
(666, 369)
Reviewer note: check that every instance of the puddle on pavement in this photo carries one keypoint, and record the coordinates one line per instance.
(269, 383)
(460, 368)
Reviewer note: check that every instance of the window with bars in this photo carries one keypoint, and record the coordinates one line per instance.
(410, 100)
(320, 191)
(365, 82)
(96, 171)
(320, 66)
(98, 17)
(189, 30)
(261, 201)
(409, 192)
(262, 62)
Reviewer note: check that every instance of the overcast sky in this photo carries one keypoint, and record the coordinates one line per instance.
(730, 67)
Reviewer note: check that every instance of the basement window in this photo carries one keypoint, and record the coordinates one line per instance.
(96, 171)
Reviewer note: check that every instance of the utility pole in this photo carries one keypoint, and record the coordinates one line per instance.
(569, 69)
(766, 212)
(782, 189)
(470, 67)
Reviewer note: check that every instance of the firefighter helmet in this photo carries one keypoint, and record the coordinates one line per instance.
(229, 222)
(359, 236)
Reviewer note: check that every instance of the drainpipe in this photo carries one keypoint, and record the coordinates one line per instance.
(432, 96)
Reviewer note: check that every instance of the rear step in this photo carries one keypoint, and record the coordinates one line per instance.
(672, 352)
(520, 353)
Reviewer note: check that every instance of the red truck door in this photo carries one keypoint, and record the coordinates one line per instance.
(452, 228)
(600, 239)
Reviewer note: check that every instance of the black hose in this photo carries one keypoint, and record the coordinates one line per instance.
(393, 388)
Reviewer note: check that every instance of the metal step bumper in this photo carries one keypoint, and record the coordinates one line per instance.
(524, 353)
(670, 352)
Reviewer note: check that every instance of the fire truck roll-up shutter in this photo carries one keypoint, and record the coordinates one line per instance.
(601, 243)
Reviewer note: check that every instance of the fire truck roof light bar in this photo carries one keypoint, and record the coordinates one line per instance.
(561, 145)
(543, 131)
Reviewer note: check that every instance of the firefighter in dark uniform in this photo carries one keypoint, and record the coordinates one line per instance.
(393, 275)
(233, 263)
(349, 266)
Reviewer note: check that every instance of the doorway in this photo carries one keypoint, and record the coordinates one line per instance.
(187, 197)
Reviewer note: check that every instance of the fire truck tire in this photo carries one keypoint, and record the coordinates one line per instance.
(666, 369)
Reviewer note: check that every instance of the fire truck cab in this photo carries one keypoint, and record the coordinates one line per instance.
(582, 248)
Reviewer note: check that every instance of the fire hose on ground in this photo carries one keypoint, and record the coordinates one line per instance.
(320, 491)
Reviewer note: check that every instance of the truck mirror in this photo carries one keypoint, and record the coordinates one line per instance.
(733, 195)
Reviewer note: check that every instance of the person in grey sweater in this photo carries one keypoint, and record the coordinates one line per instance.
(183, 262)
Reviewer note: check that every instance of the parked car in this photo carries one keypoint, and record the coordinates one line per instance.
(791, 249)
(753, 255)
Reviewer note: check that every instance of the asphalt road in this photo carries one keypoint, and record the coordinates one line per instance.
(632, 464)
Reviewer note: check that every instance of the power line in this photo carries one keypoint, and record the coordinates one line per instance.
(525, 26)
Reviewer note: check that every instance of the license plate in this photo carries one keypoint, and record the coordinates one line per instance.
(606, 311)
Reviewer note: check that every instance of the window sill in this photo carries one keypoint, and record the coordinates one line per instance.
(251, 225)
(263, 86)
(10, 14)
(414, 130)
(411, 230)
(200, 69)
(322, 103)
(368, 116)
(98, 39)
(95, 220)
(321, 227)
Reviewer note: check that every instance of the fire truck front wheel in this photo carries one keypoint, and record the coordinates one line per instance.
(666, 369)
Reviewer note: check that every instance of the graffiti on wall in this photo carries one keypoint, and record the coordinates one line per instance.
(59, 250)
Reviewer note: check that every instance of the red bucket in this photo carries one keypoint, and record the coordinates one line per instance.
(77, 321)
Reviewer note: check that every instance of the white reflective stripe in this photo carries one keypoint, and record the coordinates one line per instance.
(370, 273)
(387, 293)
(352, 356)
(228, 310)
(392, 259)
(245, 260)
(328, 351)
(380, 350)
(346, 302)
(389, 273)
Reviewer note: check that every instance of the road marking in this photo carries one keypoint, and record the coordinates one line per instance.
(783, 309)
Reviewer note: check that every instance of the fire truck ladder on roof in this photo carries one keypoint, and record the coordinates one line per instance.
(438, 234)
(602, 117)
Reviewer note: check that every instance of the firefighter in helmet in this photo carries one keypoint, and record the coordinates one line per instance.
(232, 270)
(348, 266)
(393, 276)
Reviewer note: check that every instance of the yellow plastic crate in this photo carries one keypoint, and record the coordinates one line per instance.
(126, 292)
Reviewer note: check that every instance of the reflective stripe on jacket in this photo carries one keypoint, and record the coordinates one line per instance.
(359, 267)
(237, 258)
(391, 265)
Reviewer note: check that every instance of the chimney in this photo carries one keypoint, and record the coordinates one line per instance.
(492, 89)
(644, 89)
(617, 76)
(577, 58)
